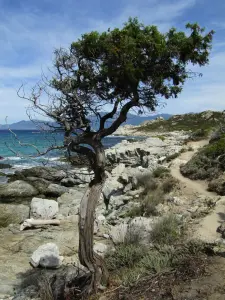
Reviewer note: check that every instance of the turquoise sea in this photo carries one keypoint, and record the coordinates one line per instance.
(16, 151)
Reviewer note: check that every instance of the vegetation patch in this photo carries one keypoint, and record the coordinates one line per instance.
(201, 124)
(160, 172)
(208, 164)
(167, 230)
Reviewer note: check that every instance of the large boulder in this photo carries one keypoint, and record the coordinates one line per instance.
(13, 214)
(46, 256)
(47, 173)
(70, 182)
(17, 189)
(43, 208)
(56, 190)
(5, 166)
(40, 184)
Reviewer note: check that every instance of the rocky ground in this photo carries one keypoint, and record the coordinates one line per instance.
(48, 193)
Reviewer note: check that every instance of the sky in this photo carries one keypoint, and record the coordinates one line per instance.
(30, 30)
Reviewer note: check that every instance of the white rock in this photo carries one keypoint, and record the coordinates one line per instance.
(43, 208)
(101, 218)
(46, 256)
(118, 170)
(118, 233)
(128, 187)
(111, 187)
(100, 249)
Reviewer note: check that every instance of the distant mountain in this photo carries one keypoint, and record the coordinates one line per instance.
(131, 120)
(22, 125)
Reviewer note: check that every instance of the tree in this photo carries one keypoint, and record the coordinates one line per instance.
(134, 66)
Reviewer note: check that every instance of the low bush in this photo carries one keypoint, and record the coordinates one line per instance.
(198, 135)
(168, 184)
(166, 231)
(160, 172)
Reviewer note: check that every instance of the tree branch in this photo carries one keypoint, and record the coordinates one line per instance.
(109, 115)
(122, 118)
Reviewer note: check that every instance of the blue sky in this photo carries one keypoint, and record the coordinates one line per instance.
(31, 29)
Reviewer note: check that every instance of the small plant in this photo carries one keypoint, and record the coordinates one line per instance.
(147, 182)
(125, 255)
(45, 290)
(135, 211)
(166, 231)
(160, 172)
(183, 150)
(168, 185)
(151, 201)
(190, 148)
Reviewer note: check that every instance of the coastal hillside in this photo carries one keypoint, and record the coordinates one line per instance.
(201, 123)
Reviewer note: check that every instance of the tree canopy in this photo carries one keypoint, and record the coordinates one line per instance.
(136, 63)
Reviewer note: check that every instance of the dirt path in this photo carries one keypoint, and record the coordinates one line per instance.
(206, 229)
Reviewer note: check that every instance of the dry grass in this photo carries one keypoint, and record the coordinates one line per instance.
(45, 290)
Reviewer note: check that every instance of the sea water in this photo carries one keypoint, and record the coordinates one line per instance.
(20, 149)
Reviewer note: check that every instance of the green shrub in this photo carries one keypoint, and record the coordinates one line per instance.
(166, 231)
(125, 255)
(161, 137)
(160, 172)
(128, 277)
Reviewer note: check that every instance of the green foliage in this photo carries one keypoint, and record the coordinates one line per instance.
(166, 231)
(160, 172)
(135, 62)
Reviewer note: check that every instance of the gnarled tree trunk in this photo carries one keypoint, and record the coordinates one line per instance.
(93, 262)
